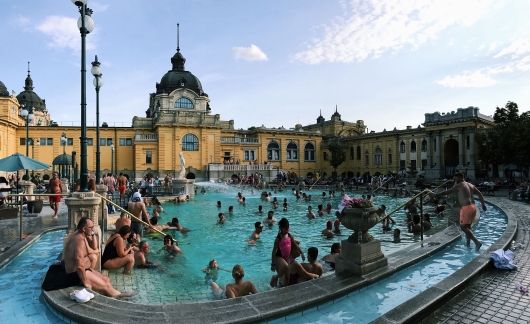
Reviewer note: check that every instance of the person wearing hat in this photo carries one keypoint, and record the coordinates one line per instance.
(257, 231)
(137, 207)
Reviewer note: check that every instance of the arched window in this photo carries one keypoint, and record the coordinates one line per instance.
(378, 157)
(413, 147)
(190, 142)
(184, 103)
(402, 147)
(273, 151)
(424, 145)
(358, 152)
(309, 152)
(292, 151)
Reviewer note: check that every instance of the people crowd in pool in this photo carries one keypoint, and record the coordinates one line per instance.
(125, 249)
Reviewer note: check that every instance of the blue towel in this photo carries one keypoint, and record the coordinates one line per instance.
(503, 259)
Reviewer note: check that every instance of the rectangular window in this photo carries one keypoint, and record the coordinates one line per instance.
(125, 141)
(90, 141)
(22, 141)
(49, 141)
(402, 165)
(366, 160)
(467, 142)
(352, 153)
(413, 165)
(148, 157)
(109, 141)
(250, 155)
(43, 141)
(325, 156)
(423, 164)
(389, 158)
(102, 142)
(69, 141)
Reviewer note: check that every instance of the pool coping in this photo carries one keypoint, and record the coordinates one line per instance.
(259, 307)
(418, 307)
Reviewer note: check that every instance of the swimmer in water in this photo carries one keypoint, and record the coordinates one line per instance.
(211, 271)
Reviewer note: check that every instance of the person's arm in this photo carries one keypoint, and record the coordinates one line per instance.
(296, 246)
(80, 260)
(480, 196)
(274, 250)
(92, 246)
(121, 249)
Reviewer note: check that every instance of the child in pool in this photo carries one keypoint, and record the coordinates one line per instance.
(211, 271)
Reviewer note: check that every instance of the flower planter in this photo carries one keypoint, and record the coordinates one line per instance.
(360, 220)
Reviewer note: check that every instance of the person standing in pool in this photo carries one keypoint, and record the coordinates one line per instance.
(258, 228)
(468, 209)
(238, 289)
(270, 220)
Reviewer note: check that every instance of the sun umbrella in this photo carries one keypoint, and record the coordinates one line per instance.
(18, 161)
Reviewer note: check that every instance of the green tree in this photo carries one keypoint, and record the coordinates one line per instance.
(336, 148)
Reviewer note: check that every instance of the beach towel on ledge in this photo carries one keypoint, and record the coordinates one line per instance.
(503, 259)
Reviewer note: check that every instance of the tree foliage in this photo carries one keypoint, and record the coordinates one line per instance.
(509, 141)
(336, 148)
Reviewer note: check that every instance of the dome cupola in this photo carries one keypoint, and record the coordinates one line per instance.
(28, 97)
(3, 90)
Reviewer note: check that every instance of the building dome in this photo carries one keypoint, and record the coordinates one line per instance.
(178, 78)
(29, 98)
(3, 90)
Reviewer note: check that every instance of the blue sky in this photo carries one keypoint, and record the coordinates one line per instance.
(277, 63)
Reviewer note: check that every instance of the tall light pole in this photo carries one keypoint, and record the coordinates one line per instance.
(27, 114)
(86, 25)
(64, 140)
(98, 83)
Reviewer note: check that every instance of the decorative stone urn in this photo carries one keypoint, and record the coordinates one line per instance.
(360, 253)
(360, 220)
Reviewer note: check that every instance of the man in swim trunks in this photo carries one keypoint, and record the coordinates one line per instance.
(77, 261)
(137, 207)
(468, 210)
(55, 188)
(122, 185)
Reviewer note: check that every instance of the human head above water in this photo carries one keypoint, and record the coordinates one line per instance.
(237, 272)
(283, 224)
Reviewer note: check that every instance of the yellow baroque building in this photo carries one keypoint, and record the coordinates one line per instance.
(179, 119)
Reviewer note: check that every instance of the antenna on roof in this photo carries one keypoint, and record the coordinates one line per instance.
(28, 68)
(178, 37)
(336, 108)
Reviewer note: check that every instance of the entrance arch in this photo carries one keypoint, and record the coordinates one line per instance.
(450, 157)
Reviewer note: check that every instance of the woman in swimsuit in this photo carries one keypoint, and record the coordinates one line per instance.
(116, 254)
(284, 253)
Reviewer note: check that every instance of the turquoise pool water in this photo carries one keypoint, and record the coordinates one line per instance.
(367, 304)
(20, 280)
(181, 278)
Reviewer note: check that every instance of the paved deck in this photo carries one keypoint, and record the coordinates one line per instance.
(492, 297)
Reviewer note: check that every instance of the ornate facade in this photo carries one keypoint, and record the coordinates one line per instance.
(179, 119)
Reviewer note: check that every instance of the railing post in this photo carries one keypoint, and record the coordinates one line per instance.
(421, 218)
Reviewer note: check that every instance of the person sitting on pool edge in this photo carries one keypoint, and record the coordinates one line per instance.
(238, 289)
(116, 254)
(284, 253)
(140, 256)
(312, 266)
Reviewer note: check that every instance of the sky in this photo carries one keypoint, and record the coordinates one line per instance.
(275, 62)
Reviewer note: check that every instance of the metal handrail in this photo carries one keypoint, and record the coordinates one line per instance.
(130, 214)
(382, 184)
(314, 183)
(425, 191)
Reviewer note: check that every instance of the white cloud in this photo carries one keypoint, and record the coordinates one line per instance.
(483, 77)
(516, 49)
(370, 28)
(251, 53)
(22, 22)
(64, 33)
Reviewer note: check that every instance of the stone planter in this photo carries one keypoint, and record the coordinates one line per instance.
(360, 220)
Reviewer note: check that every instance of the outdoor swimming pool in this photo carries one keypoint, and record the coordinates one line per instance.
(180, 278)
(20, 279)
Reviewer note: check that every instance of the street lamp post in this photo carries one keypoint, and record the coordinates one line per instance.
(112, 159)
(86, 25)
(64, 139)
(27, 114)
(98, 83)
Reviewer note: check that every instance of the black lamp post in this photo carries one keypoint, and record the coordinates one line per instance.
(27, 113)
(112, 159)
(64, 139)
(86, 25)
(98, 83)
